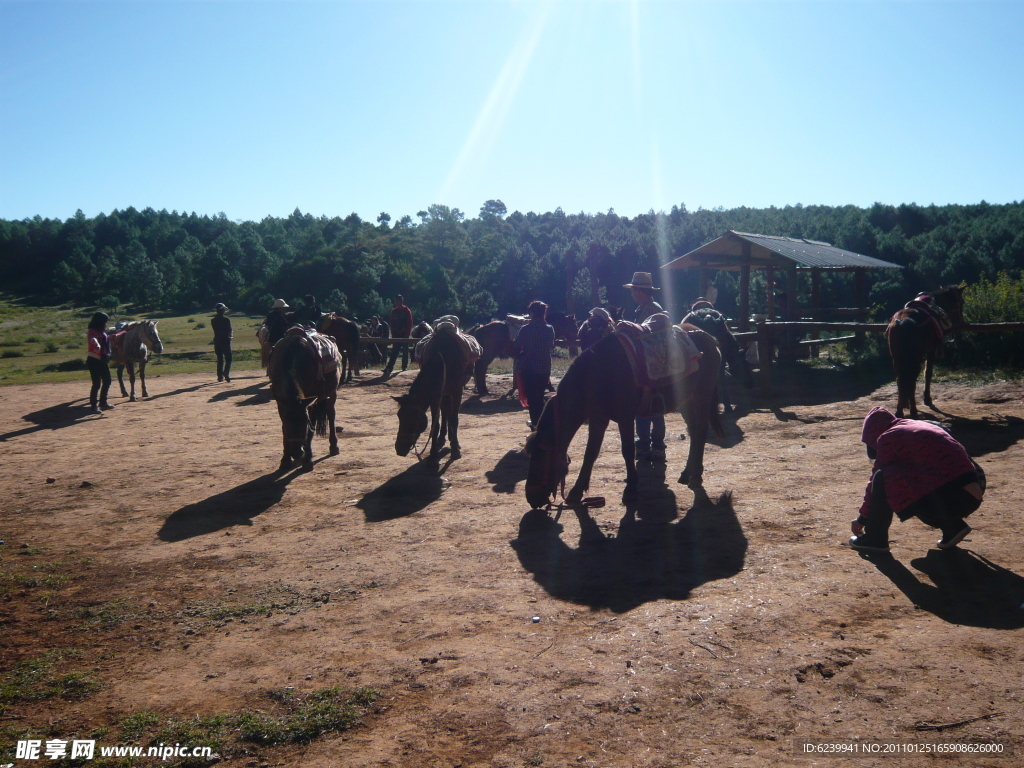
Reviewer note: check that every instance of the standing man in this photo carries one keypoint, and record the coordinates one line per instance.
(401, 328)
(533, 346)
(378, 330)
(309, 313)
(222, 333)
(650, 433)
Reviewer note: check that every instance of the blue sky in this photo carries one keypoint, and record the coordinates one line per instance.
(256, 108)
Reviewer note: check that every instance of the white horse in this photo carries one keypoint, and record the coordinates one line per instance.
(132, 346)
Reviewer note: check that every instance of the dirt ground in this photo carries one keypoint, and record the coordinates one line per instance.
(712, 631)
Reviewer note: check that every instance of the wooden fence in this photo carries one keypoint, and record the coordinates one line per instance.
(770, 335)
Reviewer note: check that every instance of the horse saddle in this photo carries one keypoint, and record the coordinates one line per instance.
(323, 348)
(514, 323)
(934, 314)
(470, 346)
(657, 358)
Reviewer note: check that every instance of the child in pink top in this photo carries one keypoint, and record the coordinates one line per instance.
(98, 362)
(920, 471)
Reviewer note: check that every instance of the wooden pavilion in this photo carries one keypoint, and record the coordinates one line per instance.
(742, 251)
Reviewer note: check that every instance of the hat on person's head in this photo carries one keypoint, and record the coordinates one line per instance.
(701, 303)
(601, 313)
(219, 306)
(280, 304)
(642, 280)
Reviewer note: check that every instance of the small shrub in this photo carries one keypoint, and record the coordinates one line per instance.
(198, 326)
(51, 346)
(12, 353)
(190, 320)
(76, 364)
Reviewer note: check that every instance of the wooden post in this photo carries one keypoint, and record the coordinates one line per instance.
(745, 288)
(770, 280)
(788, 351)
(815, 306)
(861, 293)
(703, 279)
(764, 357)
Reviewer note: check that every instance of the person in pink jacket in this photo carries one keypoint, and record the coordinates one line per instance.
(920, 471)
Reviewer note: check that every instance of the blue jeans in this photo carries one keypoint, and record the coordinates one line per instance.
(650, 433)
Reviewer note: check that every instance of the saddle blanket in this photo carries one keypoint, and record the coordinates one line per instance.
(263, 334)
(323, 348)
(514, 323)
(470, 346)
(658, 357)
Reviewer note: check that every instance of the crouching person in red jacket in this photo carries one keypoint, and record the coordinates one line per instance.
(920, 471)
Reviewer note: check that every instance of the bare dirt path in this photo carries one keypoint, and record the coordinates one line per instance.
(713, 631)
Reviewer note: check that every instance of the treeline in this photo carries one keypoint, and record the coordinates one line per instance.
(477, 268)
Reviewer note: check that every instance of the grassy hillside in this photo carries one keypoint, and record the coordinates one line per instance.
(42, 344)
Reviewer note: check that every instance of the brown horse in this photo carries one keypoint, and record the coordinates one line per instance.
(599, 388)
(444, 371)
(495, 339)
(130, 347)
(306, 395)
(714, 322)
(915, 334)
(345, 333)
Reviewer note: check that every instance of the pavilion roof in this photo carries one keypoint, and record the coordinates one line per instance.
(727, 252)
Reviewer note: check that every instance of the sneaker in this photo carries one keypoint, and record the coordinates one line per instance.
(106, 407)
(96, 409)
(220, 379)
(956, 538)
(864, 544)
(227, 379)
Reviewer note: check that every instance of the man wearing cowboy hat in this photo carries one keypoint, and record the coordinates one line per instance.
(221, 325)
(277, 322)
(650, 433)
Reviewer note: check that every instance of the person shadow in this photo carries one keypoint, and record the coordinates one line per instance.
(255, 394)
(511, 469)
(54, 417)
(237, 506)
(413, 490)
(966, 588)
(654, 555)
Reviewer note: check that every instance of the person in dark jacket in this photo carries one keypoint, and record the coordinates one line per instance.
(277, 322)
(98, 362)
(920, 471)
(401, 327)
(533, 345)
(309, 313)
(222, 334)
(650, 433)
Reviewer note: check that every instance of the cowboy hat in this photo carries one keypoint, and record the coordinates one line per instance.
(642, 280)
(280, 304)
(219, 306)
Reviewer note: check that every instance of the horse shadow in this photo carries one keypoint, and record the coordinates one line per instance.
(413, 490)
(989, 434)
(968, 588)
(54, 417)
(476, 404)
(654, 555)
(798, 384)
(257, 393)
(237, 506)
(511, 469)
(180, 391)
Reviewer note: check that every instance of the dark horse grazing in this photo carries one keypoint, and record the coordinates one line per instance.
(305, 394)
(496, 341)
(599, 388)
(130, 347)
(710, 320)
(345, 333)
(438, 385)
(915, 334)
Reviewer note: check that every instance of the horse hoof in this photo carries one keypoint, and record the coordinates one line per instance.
(335, 450)
(132, 399)
(684, 477)
(576, 496)
(456, 453)
(285, 465)
(928, 402)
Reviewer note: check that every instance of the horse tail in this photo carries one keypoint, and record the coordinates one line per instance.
(318, 417)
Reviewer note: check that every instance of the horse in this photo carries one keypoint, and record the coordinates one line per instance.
(444, 371)
(495, 340)
(599, 387)
(915, 334)
(345, 333)
(263, 335)
(710, 320)
(131, 346)
(306, 390)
